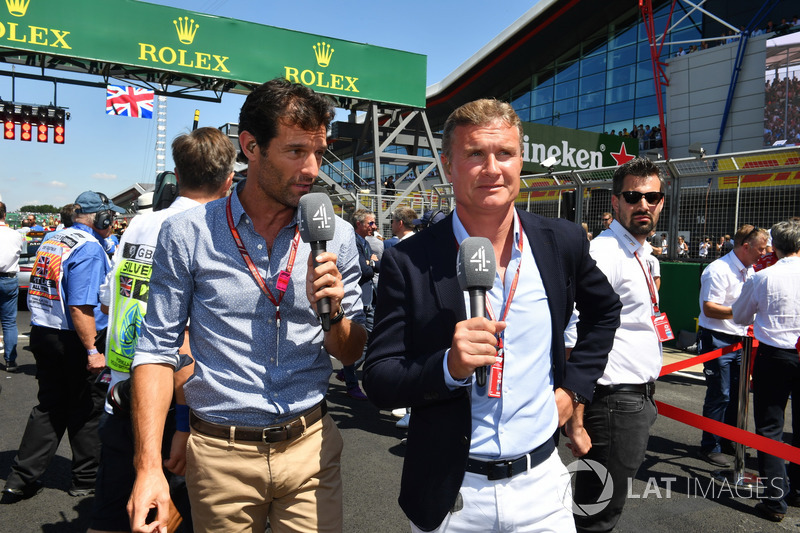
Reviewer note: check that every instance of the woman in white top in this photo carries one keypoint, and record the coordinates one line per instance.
(683, 248)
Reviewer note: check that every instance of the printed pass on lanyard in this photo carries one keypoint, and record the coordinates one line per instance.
(663, 329)
(496, 372)
(660, 320)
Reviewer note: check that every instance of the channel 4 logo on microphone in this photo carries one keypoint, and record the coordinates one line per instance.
(479, 261)
(322, 217)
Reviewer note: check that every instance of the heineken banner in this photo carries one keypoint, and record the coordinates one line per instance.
(133, 33)
(573, 149)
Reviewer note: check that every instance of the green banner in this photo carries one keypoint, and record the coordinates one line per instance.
(133, 33)
(573, 149)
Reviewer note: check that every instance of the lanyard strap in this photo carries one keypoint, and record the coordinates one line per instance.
(511, 291)
(252, 267)
(650, 285)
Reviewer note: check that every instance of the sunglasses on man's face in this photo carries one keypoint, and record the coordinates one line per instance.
(634, 197)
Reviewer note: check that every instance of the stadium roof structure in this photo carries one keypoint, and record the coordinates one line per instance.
(545, 32)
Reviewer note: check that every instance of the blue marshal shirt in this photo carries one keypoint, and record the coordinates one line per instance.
(249, 371)
(84, 272)
(526, 414)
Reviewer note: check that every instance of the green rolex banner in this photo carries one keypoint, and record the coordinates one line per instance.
(573, 149)
(134, 33)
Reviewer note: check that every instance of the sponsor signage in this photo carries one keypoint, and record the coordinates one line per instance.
(135, 33)
(767, 179)
(573, 149)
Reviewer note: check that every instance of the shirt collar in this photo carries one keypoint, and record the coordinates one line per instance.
(237, 209)
(737, 263)
(624, 237)
(460, 232)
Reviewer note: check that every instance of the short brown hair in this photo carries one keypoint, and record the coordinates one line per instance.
(478, 113)
(748, 233)
(406, 215)
(203, 159)
(281, 101)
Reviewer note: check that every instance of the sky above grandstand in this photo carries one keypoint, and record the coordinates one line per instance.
(109, 154)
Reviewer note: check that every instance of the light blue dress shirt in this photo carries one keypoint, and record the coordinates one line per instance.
(250, 370)
(526, 414)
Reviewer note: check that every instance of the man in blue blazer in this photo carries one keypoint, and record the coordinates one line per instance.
(483, 458)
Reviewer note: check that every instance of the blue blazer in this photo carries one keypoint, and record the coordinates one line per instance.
(419, 303)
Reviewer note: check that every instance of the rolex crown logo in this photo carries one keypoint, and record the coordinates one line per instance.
(186, 29)
(323, 51)
(17, 7)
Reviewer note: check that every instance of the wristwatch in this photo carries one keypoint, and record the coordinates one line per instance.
(338, 317)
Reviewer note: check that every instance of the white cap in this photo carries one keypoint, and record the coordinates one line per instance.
(144, 204)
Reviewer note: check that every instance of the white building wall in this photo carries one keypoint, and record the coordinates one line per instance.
(696, 95)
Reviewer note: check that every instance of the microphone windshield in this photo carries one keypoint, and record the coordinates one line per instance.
(476, 264)
(317, 222)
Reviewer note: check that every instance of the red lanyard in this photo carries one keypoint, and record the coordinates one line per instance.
(510, 292)
(283, 277)
(650, 286)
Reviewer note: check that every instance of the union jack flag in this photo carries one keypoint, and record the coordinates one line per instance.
(125, 286)
(42, 265)
(129, 101)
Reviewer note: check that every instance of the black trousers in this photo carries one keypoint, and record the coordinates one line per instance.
(69, 400)
(619, 425)
(776, 377)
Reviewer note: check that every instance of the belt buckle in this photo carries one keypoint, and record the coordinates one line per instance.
(274, 430)
(500, 470)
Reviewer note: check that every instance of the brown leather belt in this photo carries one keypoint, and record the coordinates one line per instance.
(269, 434)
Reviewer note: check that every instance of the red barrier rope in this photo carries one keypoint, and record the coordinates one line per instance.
(751, 440)
(702, 358)
(732, 433)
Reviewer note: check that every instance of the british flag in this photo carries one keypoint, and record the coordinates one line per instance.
(125, 286)
(126, 101)
(42, 264)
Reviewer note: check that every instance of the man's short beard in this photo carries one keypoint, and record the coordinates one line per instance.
(642, 230)
(637, 229)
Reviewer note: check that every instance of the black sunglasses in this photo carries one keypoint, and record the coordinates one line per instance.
(753, 231)
(634, 197)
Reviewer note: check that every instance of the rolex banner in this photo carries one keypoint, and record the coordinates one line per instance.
(135, 33)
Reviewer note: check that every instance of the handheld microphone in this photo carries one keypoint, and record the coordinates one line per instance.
(317, 226)
(476, 270)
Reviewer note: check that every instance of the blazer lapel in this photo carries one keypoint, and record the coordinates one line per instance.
(548, 261)
(444, 254)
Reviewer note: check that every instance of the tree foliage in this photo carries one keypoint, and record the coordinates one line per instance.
(43, 208)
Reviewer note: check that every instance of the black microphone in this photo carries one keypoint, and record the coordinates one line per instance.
(317, 226)
(476, 270)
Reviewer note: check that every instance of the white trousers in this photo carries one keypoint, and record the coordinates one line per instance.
(536, 501)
